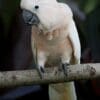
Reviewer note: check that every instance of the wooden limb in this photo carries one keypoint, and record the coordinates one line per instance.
(53, 75)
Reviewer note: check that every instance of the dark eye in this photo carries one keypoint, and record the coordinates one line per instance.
(36, 7)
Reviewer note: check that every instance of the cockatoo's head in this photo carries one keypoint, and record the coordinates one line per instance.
(45, 14)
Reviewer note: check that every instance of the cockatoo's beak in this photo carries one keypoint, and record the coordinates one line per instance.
(30, 18)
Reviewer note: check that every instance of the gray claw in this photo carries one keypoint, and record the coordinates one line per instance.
(41, 71)
(64, 68)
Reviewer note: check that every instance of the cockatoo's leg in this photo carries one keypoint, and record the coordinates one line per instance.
(65, 61)
(41, 59)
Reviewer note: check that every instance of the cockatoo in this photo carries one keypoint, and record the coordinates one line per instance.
(54, 40)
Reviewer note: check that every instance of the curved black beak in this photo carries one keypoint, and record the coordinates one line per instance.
(30, 18)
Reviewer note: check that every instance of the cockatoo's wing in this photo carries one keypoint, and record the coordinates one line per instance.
(73, 35)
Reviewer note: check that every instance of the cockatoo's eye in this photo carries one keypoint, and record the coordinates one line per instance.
(36, 7)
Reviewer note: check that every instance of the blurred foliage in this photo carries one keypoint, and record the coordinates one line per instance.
(7, 11)
(92, 30)
(88, 5)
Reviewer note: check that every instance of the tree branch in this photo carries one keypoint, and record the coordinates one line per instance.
(52, 75)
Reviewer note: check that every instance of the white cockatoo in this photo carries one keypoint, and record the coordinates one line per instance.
(54, 40)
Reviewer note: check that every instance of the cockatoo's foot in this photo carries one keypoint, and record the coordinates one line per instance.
(64, 68)
(41, 72)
